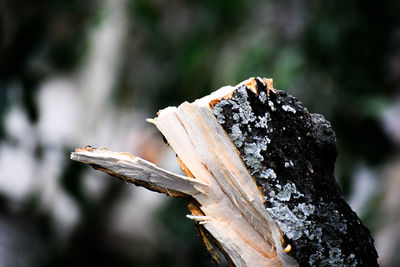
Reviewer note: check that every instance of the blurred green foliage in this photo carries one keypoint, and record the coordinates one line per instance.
(333, 55)
(38, 39)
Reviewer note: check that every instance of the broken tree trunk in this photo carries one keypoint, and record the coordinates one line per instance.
(259, 168)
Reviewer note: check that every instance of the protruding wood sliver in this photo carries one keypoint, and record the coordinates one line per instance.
(263, 182)
(139, 171)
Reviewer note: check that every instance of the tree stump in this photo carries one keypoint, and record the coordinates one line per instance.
(260, 174)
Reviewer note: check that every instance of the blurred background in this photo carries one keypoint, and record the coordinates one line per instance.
(77, 73)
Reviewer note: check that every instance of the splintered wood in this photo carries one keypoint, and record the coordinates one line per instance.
(253, 189)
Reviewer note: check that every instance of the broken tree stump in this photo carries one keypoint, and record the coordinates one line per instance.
(260, 172)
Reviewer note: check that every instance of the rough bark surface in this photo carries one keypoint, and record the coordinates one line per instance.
(260, 171)
(291, 155)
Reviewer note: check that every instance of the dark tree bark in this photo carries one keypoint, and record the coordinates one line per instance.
(291, 154)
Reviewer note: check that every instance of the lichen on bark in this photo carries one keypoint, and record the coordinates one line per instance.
(291, 155)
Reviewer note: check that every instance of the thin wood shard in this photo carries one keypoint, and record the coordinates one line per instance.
(263, 178)
(139, 171)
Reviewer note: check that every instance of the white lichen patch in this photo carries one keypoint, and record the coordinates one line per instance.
(218, 111)
(288, 108)
(289, 164)
(271, 105)
(252, 156)
(306, 209)
(249, 128)
(285, 194)
(237, 136)
(336, 258)
(262, 142)
(262, 96)
(245, 111)
(287, 191)
(233, 104)
(268, 174)
(288, 222)
(262, 122)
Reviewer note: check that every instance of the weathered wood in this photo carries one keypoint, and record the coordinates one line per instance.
(260, 169)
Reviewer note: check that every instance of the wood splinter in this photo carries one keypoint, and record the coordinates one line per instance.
(259, 170)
